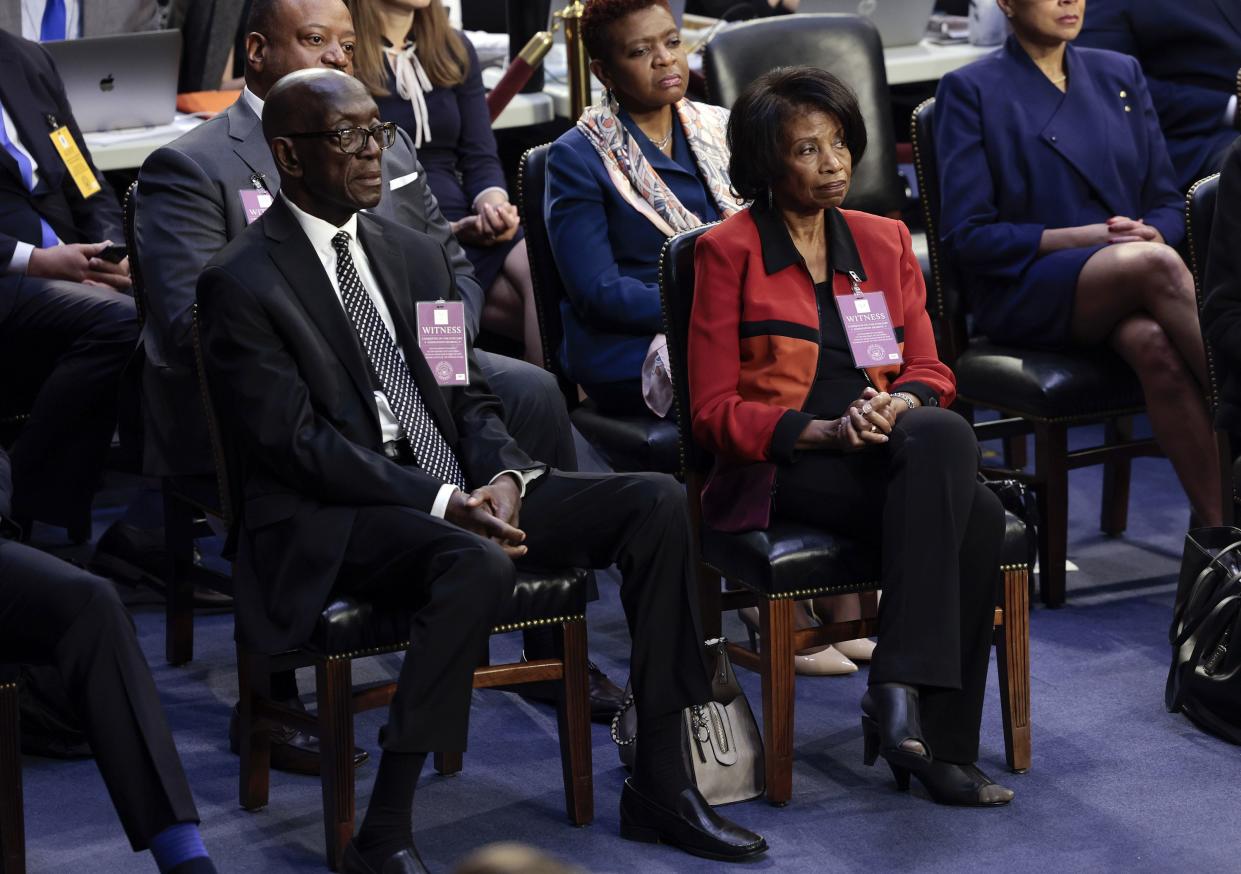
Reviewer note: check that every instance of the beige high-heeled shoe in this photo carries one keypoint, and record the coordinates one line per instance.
(859, 649)
(824, 661)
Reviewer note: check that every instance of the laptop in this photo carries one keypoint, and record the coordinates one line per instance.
(123, 81)
(899, 22)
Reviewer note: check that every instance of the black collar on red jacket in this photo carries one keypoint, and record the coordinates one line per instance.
(779, 251)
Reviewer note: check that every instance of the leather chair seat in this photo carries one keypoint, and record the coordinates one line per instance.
(791, 557)
(350, 625)
(630, 442)
(1037, 384)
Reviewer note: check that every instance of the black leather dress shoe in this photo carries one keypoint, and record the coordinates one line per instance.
(136, 556)
(691, 825)
(407, 861)
(292, 750)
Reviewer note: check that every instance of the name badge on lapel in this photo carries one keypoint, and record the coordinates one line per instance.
(868, 326)
(67, 147)
(255, 203)
(441, 337)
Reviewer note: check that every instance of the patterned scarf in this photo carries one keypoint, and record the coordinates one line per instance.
(637, 181)
(411, 83)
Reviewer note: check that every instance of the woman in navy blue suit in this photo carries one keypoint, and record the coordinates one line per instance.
(643, 165)
(1060, 208)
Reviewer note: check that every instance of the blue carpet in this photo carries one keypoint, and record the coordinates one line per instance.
(1117, 783)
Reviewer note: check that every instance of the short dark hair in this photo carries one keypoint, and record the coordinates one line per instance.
(756, 126)
(262, 16)
(599, 17)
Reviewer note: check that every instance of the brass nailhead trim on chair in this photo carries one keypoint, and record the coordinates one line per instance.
(1198, 271)
(499, 629)
(798, 594)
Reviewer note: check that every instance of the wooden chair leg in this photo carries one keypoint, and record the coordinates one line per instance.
(573, 716)
(448, 764)
(1052, 491)
(12, 821)
(1015, 456)
(254, 682)
(1012, 656)
(777, 658)
(1114, 511)
(179, 605)
(334, 682)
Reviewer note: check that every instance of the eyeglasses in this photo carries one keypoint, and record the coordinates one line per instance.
(352, 140)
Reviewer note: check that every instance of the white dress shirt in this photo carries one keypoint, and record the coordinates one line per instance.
(21, 252)
(32, 19)
(320, 234)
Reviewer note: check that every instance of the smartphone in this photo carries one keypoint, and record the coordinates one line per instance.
(115, 253)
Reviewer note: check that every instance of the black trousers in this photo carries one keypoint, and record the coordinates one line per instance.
(534, 409)
(459, 584)
(918, 499)
(68, 344)
(53, 613)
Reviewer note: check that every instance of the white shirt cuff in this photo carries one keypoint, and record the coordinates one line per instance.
(21, 258)
(1230, 111)
(440, 506)
(480, 194)
(524, 477)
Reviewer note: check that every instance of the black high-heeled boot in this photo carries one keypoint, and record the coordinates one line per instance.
(958, 785)
(891, 725)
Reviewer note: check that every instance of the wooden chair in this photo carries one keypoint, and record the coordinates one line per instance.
(349, 629)
(789, 562)
(1036, 392)
(627, 442)
(188, 501)
(1199, 214)
(847, 46)
(12, 821)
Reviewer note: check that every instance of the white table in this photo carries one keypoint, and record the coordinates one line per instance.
(125, 149)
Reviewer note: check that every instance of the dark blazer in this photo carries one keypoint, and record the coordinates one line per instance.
(608, 256)
(188, 208)
(33, 95)
(1190, 51)
(1221, 311)
(1016, 156)
(292, 387)
(461, 158)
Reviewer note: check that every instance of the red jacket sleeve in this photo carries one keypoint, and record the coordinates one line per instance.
(723, 422)
(922, 364)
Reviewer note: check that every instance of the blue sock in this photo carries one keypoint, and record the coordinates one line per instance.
(176, 844)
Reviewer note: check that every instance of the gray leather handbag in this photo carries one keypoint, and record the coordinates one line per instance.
(721, 737)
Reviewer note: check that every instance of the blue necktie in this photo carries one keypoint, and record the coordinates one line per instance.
(53, 26)
(23, 167)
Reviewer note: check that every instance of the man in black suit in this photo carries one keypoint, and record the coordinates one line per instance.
(356, 472)
(53, 613)
(66, 326)
(189, 205)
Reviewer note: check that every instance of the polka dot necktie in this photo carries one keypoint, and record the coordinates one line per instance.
(431, 450)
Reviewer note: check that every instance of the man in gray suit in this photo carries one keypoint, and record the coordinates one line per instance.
(95, 18)
(191, 201)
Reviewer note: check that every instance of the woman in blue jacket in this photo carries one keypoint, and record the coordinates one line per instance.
(641, 166)
(1060, 209)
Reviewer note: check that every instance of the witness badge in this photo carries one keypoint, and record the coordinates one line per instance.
(441, 337)
(868, 327)
(255, 202)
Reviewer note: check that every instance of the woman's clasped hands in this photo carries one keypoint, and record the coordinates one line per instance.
(867, 422)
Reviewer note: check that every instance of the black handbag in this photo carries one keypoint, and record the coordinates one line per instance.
(1204, 681)
(721, 740)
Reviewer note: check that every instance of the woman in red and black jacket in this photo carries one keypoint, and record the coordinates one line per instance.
(809, 426)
